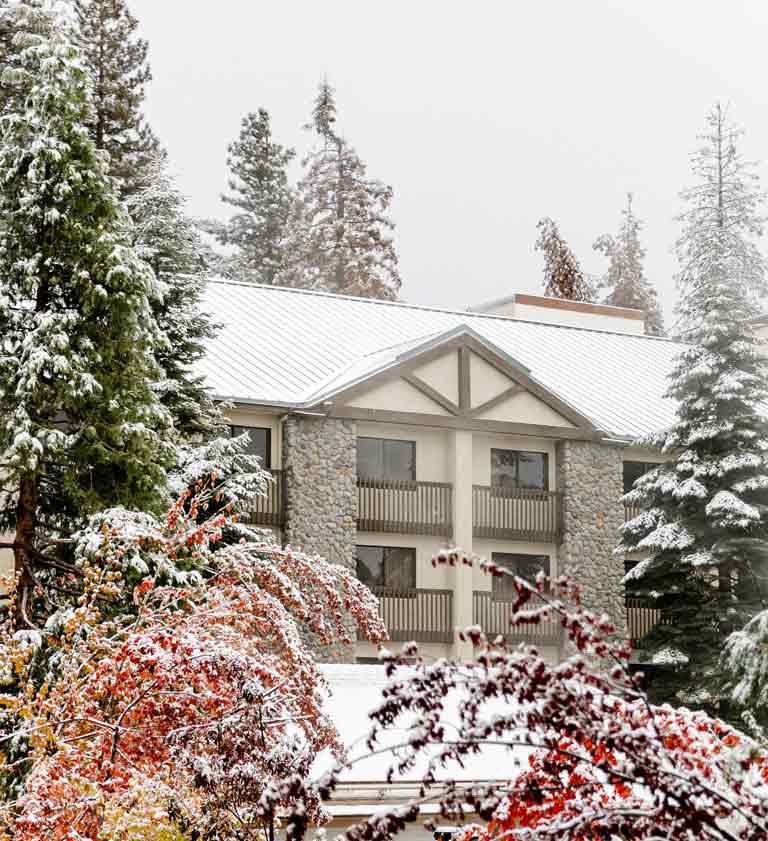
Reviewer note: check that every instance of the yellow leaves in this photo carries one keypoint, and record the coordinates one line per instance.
(140, 816)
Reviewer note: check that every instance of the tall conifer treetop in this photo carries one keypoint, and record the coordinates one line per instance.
(260, 194)
(117, 62)
(724, 214)
(704, 519)
(563, 277)
(339, 234)
(80, 426)
(625, 278)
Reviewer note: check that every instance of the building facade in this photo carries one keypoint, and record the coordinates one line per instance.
(422, 439)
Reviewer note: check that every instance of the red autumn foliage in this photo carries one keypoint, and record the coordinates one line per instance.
(177, 716)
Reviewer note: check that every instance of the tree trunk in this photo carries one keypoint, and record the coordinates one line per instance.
(26, 526)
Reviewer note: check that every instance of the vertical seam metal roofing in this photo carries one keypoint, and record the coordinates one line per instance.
(279, 346)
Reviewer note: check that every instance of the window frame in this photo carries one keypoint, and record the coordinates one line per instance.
(500, 487)
(502, 559)
(266, 463)
(389, 588)
(384, 442)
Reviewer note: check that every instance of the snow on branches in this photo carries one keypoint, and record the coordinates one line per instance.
(581, 753)
(176, 714)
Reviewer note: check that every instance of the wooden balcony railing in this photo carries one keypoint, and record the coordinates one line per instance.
(269, 509)
(420, 615)
(641, 620)
(405, 507)
(630, 512)
(513, 513)
(492, 613)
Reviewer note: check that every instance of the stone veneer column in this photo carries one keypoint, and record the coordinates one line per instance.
(589, 475)
(320, 466)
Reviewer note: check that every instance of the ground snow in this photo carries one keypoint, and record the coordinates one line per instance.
(356, 689)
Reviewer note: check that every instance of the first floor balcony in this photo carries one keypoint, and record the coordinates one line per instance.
(419, 615)
(492, 611)
(641, 620)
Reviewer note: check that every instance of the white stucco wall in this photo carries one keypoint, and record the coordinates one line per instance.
(397, 395)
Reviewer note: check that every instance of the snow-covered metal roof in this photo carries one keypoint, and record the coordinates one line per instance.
(291, 348)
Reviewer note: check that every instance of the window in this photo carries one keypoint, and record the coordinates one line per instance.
(519, 469)
(392, 567)
(260, 444)
(382, 458)
(633, 470)
(526, 566)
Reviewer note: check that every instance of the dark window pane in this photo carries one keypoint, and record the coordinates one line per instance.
(260, 444)
(370, 565)
(519, 469)
(400, 568)
(526, 566)
(399, 460)
(393, 567)
(504, 468)
(532, 471)
(633, 470)
(370, 458)
(380, 458)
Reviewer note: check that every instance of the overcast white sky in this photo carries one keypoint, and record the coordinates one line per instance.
(484, 116)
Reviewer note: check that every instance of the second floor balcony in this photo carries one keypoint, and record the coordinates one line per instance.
(405, 507)
(500, 513)
(268, 509)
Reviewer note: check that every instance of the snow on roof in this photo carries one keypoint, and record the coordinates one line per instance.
(356, 690)
(288, 347)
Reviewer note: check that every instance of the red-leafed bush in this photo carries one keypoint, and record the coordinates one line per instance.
(580, 753)
(174, 717)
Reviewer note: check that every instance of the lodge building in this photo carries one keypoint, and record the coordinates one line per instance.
(394, 430)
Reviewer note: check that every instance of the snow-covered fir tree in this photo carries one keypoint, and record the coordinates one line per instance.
(704, 517)
(168, 239)
(117, 62)
(339, 234)
(563, 277)
(261, 196)
(625, 277)
(80, 425)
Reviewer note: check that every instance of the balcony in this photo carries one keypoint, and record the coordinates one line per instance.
(492, 612)
(516, 514)
(630, 512)
(405, 507)
(420, 615)
(641, 620)
(269, 509)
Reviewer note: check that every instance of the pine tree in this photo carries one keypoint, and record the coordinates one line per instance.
(167, 238)
(261, 196)
(704, 518)
(563, 277)
(339, 236)
(80, 426)
(117, 62)
(625, 278)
